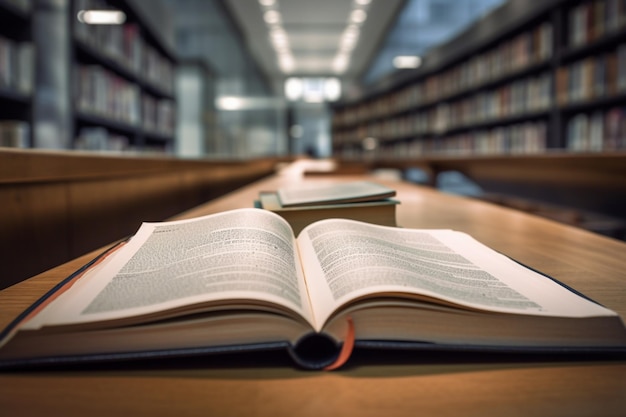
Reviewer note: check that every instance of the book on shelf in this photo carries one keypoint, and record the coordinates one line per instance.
(16, 65)
(592, 77)
(241, 281)
(14, 133)
(597, 131)
(592, 20)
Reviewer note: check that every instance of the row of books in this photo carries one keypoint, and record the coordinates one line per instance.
(597, 131)
(16, 65)
(120, 43)
(157, 70)
(519, 138)
(124, 45)
(587, 132)
(522, 97)
(100, 139)
(591, 20)
(593, 77)
(158, 115)
(14, 133)
(531, 47)
(524, 50)
(101, 92)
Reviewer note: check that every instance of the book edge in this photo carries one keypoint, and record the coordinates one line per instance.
(6, 333)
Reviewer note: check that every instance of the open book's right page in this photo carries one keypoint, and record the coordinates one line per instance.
(345, 260)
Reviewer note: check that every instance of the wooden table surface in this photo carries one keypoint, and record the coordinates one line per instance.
(428, 385)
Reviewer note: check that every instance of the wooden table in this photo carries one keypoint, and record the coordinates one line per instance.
(431, 385)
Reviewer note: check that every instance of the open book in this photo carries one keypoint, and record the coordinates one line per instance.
(240, 280)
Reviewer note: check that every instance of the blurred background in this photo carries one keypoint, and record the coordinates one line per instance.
(117, 111)
(228, 78)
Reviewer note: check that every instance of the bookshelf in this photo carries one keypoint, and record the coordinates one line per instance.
(123, 83)
(16, 73)
(529, 78)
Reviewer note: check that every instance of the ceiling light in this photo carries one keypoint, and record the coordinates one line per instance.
(243, 103)
(362, 2)
(350, 36)
(230, 103)
(340, 63)
(347, 44)
(280, 42)
(269, 3)
(293, 88)
(279, 37)
(101, 17)
(407, 61)
(358, 16)
(352, 30)
(271, 17)
(278, 31)
(286, 62)
(332, 89)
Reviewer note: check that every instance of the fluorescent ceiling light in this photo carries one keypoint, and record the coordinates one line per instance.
(243, 103)
(269, 3)
(358, 16)
(347, 43)
(230, 103)
(407, 61)
(349, 38)
(332, 89)
(340, 63)
(352, 30)
(278, 33)
(101, 17)
(312, 90)
(271, 17)
(293, 88)
(286, 62)
(363, 2)
(350, 35)
(280, 43)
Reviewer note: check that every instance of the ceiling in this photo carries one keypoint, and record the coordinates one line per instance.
(314, 31)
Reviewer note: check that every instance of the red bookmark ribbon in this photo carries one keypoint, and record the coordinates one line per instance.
(346, 349)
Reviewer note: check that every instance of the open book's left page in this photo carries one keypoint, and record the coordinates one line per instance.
(241, 259)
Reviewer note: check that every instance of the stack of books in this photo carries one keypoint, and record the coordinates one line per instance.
(357, 200)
